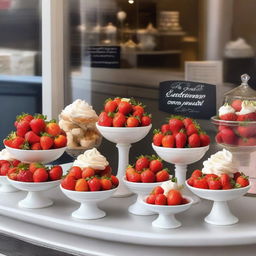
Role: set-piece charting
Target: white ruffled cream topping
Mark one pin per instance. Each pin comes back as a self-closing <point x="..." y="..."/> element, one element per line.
<point x="91" y="158"/>
<point x="79" y="109"/>
<point x="219" y="163"/>
<point x="226" y="109"/>
<point x="247" y="108"/>
<point x="5" y="155"/>
<point x="169" y="185"/>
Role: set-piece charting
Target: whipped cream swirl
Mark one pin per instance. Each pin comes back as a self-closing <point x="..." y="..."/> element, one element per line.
<point x="219" y="163"/>
<point x="226" y="109"/>
<point x="247" y="108"/>
<point x="5" y="155"/>
<point x="79" y="109"/>
<point x="91" y="158"/>
<point x="169" y="185"/>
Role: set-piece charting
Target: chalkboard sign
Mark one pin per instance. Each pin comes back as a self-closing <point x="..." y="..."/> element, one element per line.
<point x="193" y="99"/>
<point x="104" y="56"/>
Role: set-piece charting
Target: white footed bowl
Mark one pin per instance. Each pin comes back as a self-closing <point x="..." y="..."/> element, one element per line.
<point x="34" y="198"/>
<point x="6" y="187"/>
<point x="88" y="199"/>
<point x="220" y="213"/>
<point x="166" y="218"/>
<point x="141" y="189"/>
<point x="124" y="135"/>
<point x="181" y="156"/>
<point x="41" y="156"/>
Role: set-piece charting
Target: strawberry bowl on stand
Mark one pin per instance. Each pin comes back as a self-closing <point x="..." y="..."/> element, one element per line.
<point x="123" y="122"/>
<point x="181" y="142"/>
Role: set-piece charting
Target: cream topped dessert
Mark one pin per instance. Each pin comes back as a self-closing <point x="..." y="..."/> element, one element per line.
<point x="91" y="158"/>
<point x="169" y="185"/>
<point x="219" y="163"/>
<point x="5" y="155"/>
<point x="226" y="109"/>
<point x="247" y="108"/>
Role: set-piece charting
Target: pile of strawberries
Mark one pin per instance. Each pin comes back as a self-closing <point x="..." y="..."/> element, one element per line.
<point x="215" y="182"/>
<point x="35" y="133"/>
<point x="5" y="166"/>
<point x="33" y="172"/>
<point x="174" y="197"/>
<point x="89" y="179"/>
<point x="122" y="112"/>
<point x="180" y="132"/>
<point x="147" y="169"/>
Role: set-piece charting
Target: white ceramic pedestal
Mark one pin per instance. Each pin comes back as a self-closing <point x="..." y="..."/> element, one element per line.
<point x="166" y="218"/>
<point x="123" y="137"/>
<point x="220" y="213"/>
<point x="34" y="199"/>
<point x="182" y="157"/>
<point x="88" y="200"/>
<point x="6" y="187"/>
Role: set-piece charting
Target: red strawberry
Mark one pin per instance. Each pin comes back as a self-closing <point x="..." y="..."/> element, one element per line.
<point x="190" y="181"/>
<point x="187" y="121"/>
<point x="247" y="117"/>
<point x="132" y="175"/>
<point x="5" y="168"/>
<point x="196" y="173"/>
<point x="220" y="127"/>
<point x="55" y="172"/>
<point x="180" y="139"/>
<point x="53" y="128"/>
<point x="175" y="124"/>
<point x="68" y="182"/>
<point x="236" y="175"/>
<point x="125" y="107"/>
<point x="76" y="172"/>
<point x="174" y="197"/>
<point x="23" y="117"/>
<point x="31" y="137"/>
<point x="157" y="190"/>
<point x="157" y="138"/>
<point x="107" y="171"/>
<point x="114" y="180"/>
<point x="119" y="120"/>
<point x="15" y="163"/>
<point x="34" y="166"/>
<point x="60" y="141"/>
<point x="246" y="131"/>
<point x="22" y="128"/>
<point x="138" y="109"/>
<point x="156" y="165"/>
<point x="242" y="181"/>
<point x="106" y="183"/>
<point x="40" y="175"/>
<point x="204" y="139"/>
<point x="36" y="146"/>
<point x="87" y="172"/>
<point x="146" y="120"/>
<point x="132" y="121"/>
<point x="247" y="141"/>
<point x="200" y="183"/>
<point x="168" y="141"/>
<point x="218" y="138"/>
<point x="192" y="128"/>
<point x="38" y="124"/>
<point x="237" y="105"/>
<point x="46" y="141"/>
<point x="229" y="117"/>
<point x="162" y="175"/>
<point x="105" y="119"/>
<point x="151" y="199"/>
<point x="228" y="136"/>
<point x="214" y="183"/>
<point x="148" y="176"/>
<point x="161" y="199"/>
<point x="94" y="184"/>
<point x="19" y="143"/>
<point x="165" y="128"/>
<point x="117" y="100"/>
<point x="25" y="176"/>
<point x="225" y="180"/>
<point x="194" y="140"/>
<point x="110" y="105"/>
<point x="142" y="163"/>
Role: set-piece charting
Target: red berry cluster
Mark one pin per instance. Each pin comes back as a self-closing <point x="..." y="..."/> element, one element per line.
<point x="89" y="179"/>
<point x="174" y="197"/>
<point x="34" y="172"/>
<point x="34" y="133"/>
<point x="180" y="132"/>
<point x="5" y="166"/>
<point x="123" y="113"/>
<point x="147" y="169"/>
<point x="215" y="182"/>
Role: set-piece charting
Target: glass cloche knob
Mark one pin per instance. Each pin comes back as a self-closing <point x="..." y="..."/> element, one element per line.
<point x="245" y="78"/>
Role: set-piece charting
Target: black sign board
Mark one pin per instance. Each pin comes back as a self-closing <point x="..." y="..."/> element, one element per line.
<point x="193" y="99"/>
<point x="104" y="56"/>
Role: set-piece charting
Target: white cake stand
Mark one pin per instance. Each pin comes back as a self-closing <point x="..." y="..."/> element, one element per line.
<point x="6" y="187"/>
<point x="123" y="137"/>
<point x="182" y="157"/>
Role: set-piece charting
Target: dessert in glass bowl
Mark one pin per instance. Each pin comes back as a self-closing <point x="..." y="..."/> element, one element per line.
<point x="78" y="121"/>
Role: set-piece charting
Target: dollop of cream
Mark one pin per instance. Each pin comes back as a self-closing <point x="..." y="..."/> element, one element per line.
<point x="226" y="109"/>
<point x="126" y="99"/>
<point x="79" y="109"/>
<point x="5" y="155"/>
<point x="219" y="163"/>
<point x="247" y="108"/>
<point x="169" y="185"/>
<point x="91" y="158"/>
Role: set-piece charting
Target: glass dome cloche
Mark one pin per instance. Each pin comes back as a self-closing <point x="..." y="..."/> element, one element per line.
<point x="236" y="122"/>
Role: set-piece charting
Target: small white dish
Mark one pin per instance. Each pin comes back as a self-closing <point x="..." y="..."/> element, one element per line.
<point x="89" y="200"/>
<point x="123" y="137"/>
<point x="166" y="218"/>
<point x="41" y="156"/>
<point x="220" y="213"/>
<point x="34" y="199"/>
<point x="6" y="187"/>
<point x="141" y="189"/>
